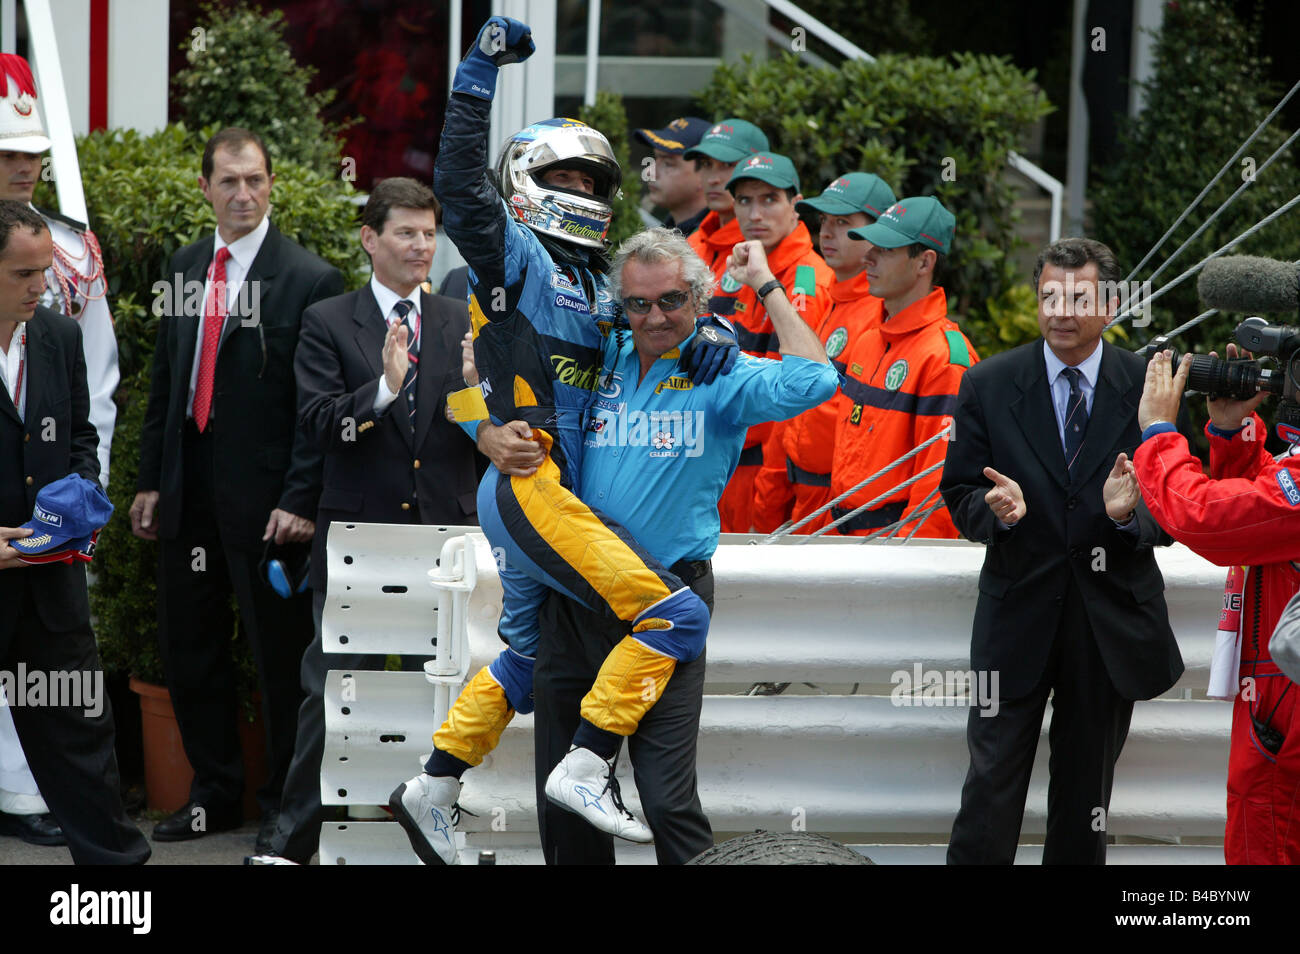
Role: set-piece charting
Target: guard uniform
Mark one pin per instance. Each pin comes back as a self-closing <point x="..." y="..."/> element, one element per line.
<point x="75" y="285"/>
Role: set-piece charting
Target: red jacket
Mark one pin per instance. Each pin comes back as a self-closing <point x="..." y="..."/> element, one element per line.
<point x="713" y="242"/>
<point x="1248" y="514"/>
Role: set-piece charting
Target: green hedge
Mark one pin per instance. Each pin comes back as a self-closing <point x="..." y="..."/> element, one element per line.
<point x="927" y="126"/>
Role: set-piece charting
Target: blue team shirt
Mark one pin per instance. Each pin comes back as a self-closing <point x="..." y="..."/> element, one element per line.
<point x="657" y="455"/>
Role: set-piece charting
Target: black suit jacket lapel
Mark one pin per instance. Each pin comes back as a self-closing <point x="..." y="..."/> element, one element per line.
<point x="433" y="351"/>
<point x="41" y="353"/>
<point x="187" y="329"/>
<point x="7" y="405"/>
<point x="1112" y="411"/>
<point x="263" y="269"/>
<point x="1033" y="412"/>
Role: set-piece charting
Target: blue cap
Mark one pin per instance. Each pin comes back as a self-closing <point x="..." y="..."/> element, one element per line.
<point x="66" y="510"/>
<point x="678" y="136"/>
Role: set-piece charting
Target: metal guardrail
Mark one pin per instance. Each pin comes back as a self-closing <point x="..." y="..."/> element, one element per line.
<point x="867" y="762"/>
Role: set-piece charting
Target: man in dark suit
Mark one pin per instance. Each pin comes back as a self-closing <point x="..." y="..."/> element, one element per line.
<point x="374" y="368"/>
<point x="45" y="435"/>
<point x="1071" y="601"/>
<point x="223" y="468"/>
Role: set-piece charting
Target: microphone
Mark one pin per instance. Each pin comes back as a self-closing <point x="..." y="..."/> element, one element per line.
<point x="1248" y="283"/>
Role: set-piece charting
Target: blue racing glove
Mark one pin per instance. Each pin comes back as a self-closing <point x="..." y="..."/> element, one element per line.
<point x="501" y="41"/>
<point x="712" y="352"/>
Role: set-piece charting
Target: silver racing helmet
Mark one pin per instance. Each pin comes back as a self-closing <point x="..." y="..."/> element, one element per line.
<point x="568" y="215"/>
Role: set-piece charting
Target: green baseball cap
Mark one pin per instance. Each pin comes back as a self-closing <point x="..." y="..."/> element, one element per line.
<point x="729" y="140"/>
<point x="770" y="167"/>
<point x="919" y="219"/>
<point x="855" y="192"/>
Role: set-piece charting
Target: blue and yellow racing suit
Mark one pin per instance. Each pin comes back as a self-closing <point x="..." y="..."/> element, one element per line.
<point x="537" y="312"/>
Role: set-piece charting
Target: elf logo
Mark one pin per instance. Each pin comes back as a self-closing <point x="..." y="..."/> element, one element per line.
<point x="1287" y="483"/>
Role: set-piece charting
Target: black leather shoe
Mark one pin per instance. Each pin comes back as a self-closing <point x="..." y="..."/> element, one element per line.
<point x="33" y="829"/>
<point x="266" y="832"/>
<point x="193" y="820"/>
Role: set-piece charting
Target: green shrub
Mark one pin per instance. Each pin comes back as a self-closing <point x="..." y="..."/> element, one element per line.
<point x="607" y="115"/>
<point x="926" y="126"/>
<point x="242" y="73"/>
<point x="1208" y="93"/>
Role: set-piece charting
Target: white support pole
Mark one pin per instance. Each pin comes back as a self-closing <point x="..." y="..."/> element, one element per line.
<point x="58" y="122"/>
<point x="1076" y="174"/>
<point x="8" y="26"/>
<point x="455" y="46"/>
<point x="593" y="51"/>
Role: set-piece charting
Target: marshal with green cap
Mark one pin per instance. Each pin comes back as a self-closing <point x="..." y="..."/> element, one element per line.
<point x="855" y="192"/>
<point x="920" y="219"/>
<point x="770" y="167"/>
<point x="729" y="140"/>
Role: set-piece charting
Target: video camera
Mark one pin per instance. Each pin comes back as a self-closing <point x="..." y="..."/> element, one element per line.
<point x="1246" y="283"/>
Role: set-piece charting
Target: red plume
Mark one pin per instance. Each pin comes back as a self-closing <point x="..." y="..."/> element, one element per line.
<point x="15" y="68"/>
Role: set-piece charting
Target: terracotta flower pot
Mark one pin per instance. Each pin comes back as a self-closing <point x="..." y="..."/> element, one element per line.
<point x="167" y="771"/>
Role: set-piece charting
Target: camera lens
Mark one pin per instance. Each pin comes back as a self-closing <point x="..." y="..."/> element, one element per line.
<point x="1230" y="379"/>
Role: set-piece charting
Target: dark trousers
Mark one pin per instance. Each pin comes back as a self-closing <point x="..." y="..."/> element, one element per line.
<point x="70" y="752"/>
<point x="1089" y="725"/>
<point x="574" y="643"/>
<point x="198" y="573"/>
<point x="297" y="835"/>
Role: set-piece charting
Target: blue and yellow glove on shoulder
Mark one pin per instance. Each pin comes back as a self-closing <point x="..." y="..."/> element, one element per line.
<point x="712" y="351"/>
<point x="502" y="40"/>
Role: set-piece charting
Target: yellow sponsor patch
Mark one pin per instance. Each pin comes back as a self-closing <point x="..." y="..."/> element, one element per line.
<point x="673" y="384"/>
<point x="467" y="405"/>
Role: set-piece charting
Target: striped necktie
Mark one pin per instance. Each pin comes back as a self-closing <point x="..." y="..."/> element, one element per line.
<point x="403" y="309"/>
<point x="1076" y="418"/>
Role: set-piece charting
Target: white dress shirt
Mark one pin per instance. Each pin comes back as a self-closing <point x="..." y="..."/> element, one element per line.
<point x="9" y="361"/>
<point x="1059" y="382"/>
<point x="387" y="300"/>
<point x="242" y="252"/>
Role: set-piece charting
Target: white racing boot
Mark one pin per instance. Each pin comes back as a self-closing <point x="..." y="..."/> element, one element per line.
<point x="426" y="807"/>
<point x="584" y="784"/>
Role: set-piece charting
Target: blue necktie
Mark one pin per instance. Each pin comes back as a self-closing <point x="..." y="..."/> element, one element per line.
<point x="403" y="310"/>
<point x="1076" y="418"/>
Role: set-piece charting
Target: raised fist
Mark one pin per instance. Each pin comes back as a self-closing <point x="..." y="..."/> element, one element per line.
<point x="504" y="40"/>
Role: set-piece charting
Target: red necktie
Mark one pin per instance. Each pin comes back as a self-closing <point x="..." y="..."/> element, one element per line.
<point x="214" y="318"/>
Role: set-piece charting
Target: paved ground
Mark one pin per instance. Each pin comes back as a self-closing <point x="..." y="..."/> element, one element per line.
<point x="223" y="848"/>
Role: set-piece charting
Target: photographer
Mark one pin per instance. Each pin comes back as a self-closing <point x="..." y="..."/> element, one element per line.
<point x="1246" y="512"/>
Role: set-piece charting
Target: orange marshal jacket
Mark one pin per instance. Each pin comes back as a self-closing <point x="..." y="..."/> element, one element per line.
<point x="807" y="280"/>
<point x="714" y="242"/>
<point x="900" y="388"/>
<point x="798" y="480"/>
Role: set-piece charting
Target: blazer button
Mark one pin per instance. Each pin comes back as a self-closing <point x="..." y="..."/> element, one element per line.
<point x="26" y="438"/>
<point x="1072" y="503"/>
<point x="1076" y="553"/>
<point x="405" y="506"/>
<point x="415" y="464"/>
<point x="30" y="481"/>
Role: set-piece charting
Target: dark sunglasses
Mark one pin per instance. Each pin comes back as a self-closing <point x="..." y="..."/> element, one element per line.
<point x="670" y="301"/>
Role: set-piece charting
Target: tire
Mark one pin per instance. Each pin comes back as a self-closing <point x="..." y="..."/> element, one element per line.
<point x="780" y="848"/>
